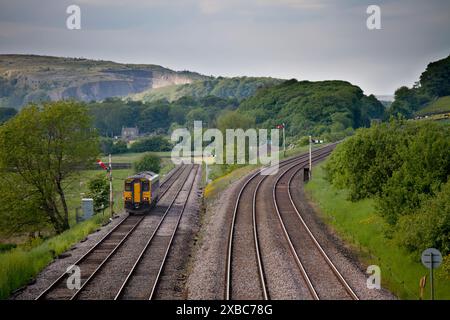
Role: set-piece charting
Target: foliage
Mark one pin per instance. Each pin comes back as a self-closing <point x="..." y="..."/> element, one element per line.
<point x="445" y="268"/>
<point x="20" y="206"/>
<point x="436" y="78"/>
<point x="408" y="101"/>
<point x="43" y="146"/>
<point x="113" y="114"/>
<point x="358" y="223"/>
<point x="153" y="143"/>
<point x="428" y="226"/>
<point x="20" y="265"/>
<point x="148" y="162"/>
<point x="236" y="88"/>
<point x="109" y="146"/>
<point x="157" y="116"/>
<point x="434" y="83"/>
<point x="317" y="108"/>
<point x="404" y="166"/>
<point x="440" y="105"/>
<point x="425" y="165"/>
<point x="6" y="114"/>
<point x="7" y="246"/>
<point x="234" y="120"/>
<point x="99" y="191"/>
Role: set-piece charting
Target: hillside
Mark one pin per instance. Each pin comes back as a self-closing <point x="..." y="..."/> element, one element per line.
<point x="434" y="83"/>
<point x="26" y="78"/>
<point x="441" y="105"/>
<point x="238" y="88"/>
<point x="318" y="108"/>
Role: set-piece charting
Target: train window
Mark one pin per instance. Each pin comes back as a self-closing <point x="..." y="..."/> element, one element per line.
<point x="127" y="186"/>
<point x="145" y="186"/>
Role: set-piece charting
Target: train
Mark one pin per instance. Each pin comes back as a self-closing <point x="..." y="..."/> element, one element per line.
<point x="141" y="192"/>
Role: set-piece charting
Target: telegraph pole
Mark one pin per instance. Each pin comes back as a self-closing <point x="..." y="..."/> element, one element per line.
<point x="310" y="158"/>
<point x="111" y="196"/>
<point x="284" y="140"/>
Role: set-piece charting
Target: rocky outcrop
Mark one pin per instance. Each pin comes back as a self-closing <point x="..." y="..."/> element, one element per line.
<point x="30" y="78"/>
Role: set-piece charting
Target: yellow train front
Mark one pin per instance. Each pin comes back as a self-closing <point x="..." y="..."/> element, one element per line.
<point x="141" y="192"/>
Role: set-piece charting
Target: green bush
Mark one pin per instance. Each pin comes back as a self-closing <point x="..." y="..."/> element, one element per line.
<point x="108" y="146"/>
<point x="119" y="147"/>
<point x="154" y="144"/>
<point x="429" y="226"/>
<point x="99" y="191"/>
<point x="6" y="246"/>
<point x="6" y="114"/>
<point x="149" y="162"/>
<point x="404" y="166"/>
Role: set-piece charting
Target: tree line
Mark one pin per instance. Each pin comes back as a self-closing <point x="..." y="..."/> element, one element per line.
<point x="405" y="167"/>
<point x="434" y="83"/>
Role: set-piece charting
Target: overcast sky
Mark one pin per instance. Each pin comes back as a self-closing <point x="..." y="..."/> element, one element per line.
<point x="303" y="39"/>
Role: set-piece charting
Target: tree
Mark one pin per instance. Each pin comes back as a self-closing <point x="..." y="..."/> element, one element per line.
<point x="43" y="146"/>
<point x="119" y="147"/>
<point x="148" y="162"/>
<point x="154" y="144"/>
<point x="155" y="118"/>
<point x="429" y="226"/>
<point x="6" y="114"/>
<point x="234" y="120"/>
<point x="106" y="145"/>
<point x="436" y="78"/>
<point x="99" y="191"/>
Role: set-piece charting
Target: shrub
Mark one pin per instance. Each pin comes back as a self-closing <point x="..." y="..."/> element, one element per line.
<point x="149" y="162"/>
<point x="429" y="226"/>
<point x="108" y="146"/>
<point x="154" y="144"/>
<point x="99" y="191"/>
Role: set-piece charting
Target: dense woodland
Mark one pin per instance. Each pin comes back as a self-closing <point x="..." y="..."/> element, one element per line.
<point x="329" y="109"/>
<point x="433" y="84"/>
<point x="227" y="88"/>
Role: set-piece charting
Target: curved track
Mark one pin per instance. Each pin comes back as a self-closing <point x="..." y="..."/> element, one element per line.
<point x="244" y="258"/>
<point x="316" y="268"/>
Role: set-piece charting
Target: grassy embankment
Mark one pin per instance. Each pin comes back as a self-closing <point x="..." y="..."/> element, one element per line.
<point x="441" y="105"/>
<point x="359" y="225"/>
<point x="19" y="265"/>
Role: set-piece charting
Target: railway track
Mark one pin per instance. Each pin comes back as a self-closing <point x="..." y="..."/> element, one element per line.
<point x="170" y="179"/>
<point x="244" y="258"/>
<point x="311" y="258"/>
<point x="144" y="277"/>
<point x="93" y="261"/>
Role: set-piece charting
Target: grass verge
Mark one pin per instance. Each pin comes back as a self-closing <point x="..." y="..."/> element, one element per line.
<point x="359" y="225"/>
<point x="19" y="266"/>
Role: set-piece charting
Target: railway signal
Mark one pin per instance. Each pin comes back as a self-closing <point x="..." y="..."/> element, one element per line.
<point x="310" y="158"/>
<point x="109" y="170"/>
<point x="101" y="164"/>
<point x="111" y="195"/>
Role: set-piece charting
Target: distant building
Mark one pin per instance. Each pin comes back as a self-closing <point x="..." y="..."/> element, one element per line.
<point x="129" y="134"/>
